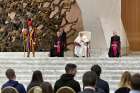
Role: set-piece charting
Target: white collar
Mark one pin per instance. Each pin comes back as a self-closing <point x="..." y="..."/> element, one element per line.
<point x="134" y="91"/>
<point x="89" y="87"/>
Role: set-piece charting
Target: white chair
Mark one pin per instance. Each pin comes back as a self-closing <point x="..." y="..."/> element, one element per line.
<point x="86" y="33"/>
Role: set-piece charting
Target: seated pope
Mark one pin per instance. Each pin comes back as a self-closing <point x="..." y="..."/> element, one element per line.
<point x="81" y="46"/>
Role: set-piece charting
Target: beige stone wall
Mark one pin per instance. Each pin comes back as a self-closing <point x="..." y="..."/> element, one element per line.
<point x="102" y="17"/>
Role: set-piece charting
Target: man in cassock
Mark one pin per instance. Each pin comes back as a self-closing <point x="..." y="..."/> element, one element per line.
<point x="115" y="46"/>
<point x="81" y="46"/>
<point x="58" y="46"/>
<point x="64" y="39"/>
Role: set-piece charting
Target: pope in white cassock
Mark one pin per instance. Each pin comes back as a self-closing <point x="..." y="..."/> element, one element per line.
<point x="81" y="46"/>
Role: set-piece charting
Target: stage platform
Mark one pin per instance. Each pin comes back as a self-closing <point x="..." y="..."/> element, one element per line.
<point x="52" y="68"/>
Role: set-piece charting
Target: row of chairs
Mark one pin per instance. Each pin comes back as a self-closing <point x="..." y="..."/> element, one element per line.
<point x="37" y="89"/>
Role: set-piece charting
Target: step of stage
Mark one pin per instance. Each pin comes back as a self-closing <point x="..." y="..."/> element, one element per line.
<point x="52" y="68"/>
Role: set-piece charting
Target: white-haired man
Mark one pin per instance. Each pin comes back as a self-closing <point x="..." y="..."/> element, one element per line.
<point x="81" y="46"/>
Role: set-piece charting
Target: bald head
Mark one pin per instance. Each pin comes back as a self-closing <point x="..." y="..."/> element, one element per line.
<point x="114" y="33"/>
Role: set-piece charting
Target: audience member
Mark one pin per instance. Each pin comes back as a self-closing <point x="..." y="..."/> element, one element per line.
<point x="46" y="87"/>
<point x="89" y="82"/>
<point x="102" y="84"/>
<point x="125" y="83"/>
<point x="92" y="83"/>
<point x="10" y="74"/>
<point x="9" y="90"/>
<point x="37" y="79"/>
<point x="135" y="83"/>
<point x="67" y="79"/>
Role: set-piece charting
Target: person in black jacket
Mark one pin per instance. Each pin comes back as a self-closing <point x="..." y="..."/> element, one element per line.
<point x="37" y="79"/>
<point x="102" y="84"/>
<point x="10" y="73"/>
<point x="67" y="79"/>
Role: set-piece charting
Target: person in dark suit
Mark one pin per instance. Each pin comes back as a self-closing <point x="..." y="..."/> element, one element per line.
<point x="115" y="46"/>
<point x="89" y="82"/>
<point x="100" y="83"/>
<point x="10" y="73"/>
<point x="67" y="79"/>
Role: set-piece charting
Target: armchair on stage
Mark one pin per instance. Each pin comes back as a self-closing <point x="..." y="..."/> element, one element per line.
<point x="82" y="44"/>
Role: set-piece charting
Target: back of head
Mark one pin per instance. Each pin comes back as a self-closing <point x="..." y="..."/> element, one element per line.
<point x="65" y="89"/>
<point x="46" y="87"/>
<point x="135" y="82"/>
<point x="125" y="79"/>
<point x="89" y="79"/>
<point x="97" y="69"/>
<point x="35" y="89"/>
<point x="70" y="68"/>
<point x="37" y="76"/>
<point x="10" y="74"/>
<point x="9" y="90"/>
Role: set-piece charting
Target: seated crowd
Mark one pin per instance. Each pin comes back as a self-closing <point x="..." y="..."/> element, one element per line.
<point x="92" y="82"/>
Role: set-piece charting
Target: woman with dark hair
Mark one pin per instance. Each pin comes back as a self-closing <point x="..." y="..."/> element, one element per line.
<point x="46" y="87"/>
<point x="37" y="79"/>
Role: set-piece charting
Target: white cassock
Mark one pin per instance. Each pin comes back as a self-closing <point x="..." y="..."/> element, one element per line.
<point x="81" y="49"/>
